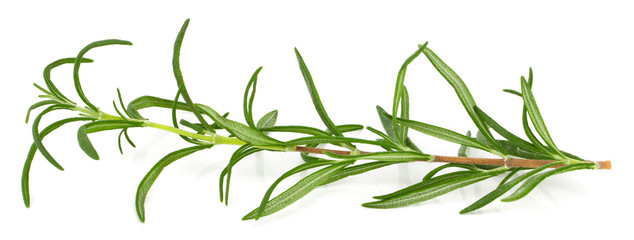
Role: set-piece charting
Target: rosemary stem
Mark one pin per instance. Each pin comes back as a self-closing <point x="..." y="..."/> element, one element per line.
<point x="509" y="162"/>
<point x="219" y="139"/>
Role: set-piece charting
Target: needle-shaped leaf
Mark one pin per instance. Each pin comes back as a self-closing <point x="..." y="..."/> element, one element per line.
<point x="437" y="188"/>
<point x="37" y="139"/>
<point x="153" y="174"/>
<point x="29" y="158"/>
<point x="268" y="120"/>
<point x="178" y="75"/>
<point x="125" y="110"/>
<point x="394" y="156"/>
<point x="314" y="95"/>
<point x="249" y="95"/>
<point x="295" y="170"/>
<point x="514" y="92"/>
<point x="532" y="182"/>
<point x="386" y="138"/>
<point x="357" y="169"/>
<point x="124" y="132"/>
<point x="241" y="131"/>
<point x="445" y="134"/>
<point x="433" y="172"/>
<point x="503" y="132"/>
<point x="512" y="149"/>
<point x="194" y="126"/>
<point x="242" y="152"/>
<point x="98" y="126"/>
<point x="425" y="184"/>
<point x="400" y="89"/>
<point x="37" y="105"/>
<point x="119" y="141"/>
<point x="174" y="118"/>
<point x="463" y="93"/>
<point x="504" y="188"/>
<point x="404" y="113"/>
<point x="331" y="140"/>
<point x="462" y="151"/>
<point x="536" y="117"/>
<point x="47" y="75"/>
<point x="512" y="172"/>
<point x="386" y="122"/>
<point x="150" y="101"/>
<point x="525" y="124"/>
<point x="78" y="61"/>
<point x="297" y="191"/>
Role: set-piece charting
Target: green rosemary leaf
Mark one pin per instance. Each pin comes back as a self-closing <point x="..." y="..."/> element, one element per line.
<point x="330" y="140"/>
<point x="532" y="182"/>
<point x="463" y="94"/>
<point x="26" y="196"/>
<point x="47" y="75"/>
<point x="150" y="177"/>
<point x="116" y="109"/>
<point x="444" y="134"/>
<point x="268" y="120"/>
<point x="242" y="152"/>
<point x="85" y="144"/>
<point x="47" y="93"/>
<point x="37" y="138"/>
<point x="404" y="113"/>
<point x="123" y="105"/>
<point x="508" y="176"/>
<point x="175" y="122"/>
<point x="297" y="129"/>
<point x="349" y="127"/>
<point x="400" y="89"/>
<point x="295" y="170"/>
<point x="424" y="185"/>
<point x="433" y="172"/>
<point x="314" y="95"/>
<point x="394" y="156"/>
<point x="297" y="191"/>
<point x="37" y="105"/>
<point x="386" y="121"/>
<point x="241" y="131"/>
<point x="511" y="91"/>
<point x="503" y="132"/>
<point x="178" y="75"/>
<point x="462" y="151"/>
<point x="433" y="190"/>
<point x="98" y="126"/>
<point x="119" y="141"/>
<point x="125" y="134"/>
<point x="357" y="169"/>
<point x="196" y="127"/>
<point x="104" y="125"/>
<point x="78" y="61"/>
<point x="150" y="101"/>
<point x="385" y="137"/>
<point x="248" y="98"/>
<point x="536" y="117"/>
<point x="504" y="188"/>
<point x="525" y="125"/>
<point x="512" y="149"/>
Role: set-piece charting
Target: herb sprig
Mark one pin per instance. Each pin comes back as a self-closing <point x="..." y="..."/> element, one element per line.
<point x="525" y="163"/>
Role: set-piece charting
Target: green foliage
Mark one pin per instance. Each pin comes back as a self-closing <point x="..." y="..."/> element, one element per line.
<point x="314" y="144"/>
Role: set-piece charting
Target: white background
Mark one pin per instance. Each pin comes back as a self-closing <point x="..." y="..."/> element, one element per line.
<point x="581" y="53"/>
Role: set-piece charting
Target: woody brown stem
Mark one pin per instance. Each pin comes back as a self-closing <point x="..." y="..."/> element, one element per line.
<point x="510" y="162"/>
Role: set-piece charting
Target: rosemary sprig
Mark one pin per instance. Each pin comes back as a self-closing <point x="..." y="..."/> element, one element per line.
<point x="529" y="161"/>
